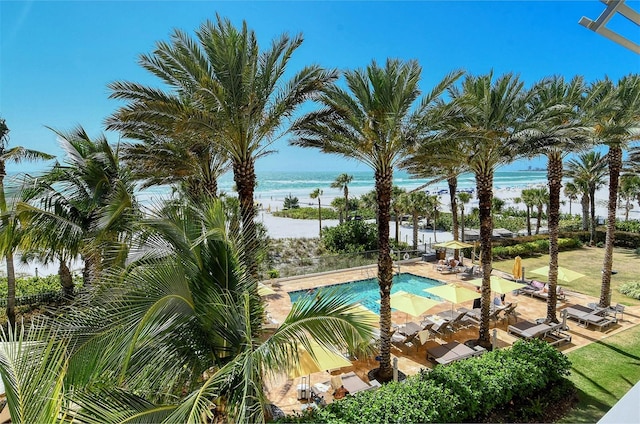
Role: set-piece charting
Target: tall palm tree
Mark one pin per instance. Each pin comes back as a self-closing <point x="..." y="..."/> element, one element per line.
<point x="629" y="191"/>
<point x="396" y="207"/>
<point x="464" y="199"/>
<point x="557" y="126"/>
<point x="415" y="203"/>
<point x="615" y="113"/>
<point x="527" y="196"/>
<point x="315" y="194"/>
<point x="370" y="121"/>
<point x="232" y="83"/>
<point x="491" y="113"/>
<point x="342" y="182"/>
<point x="85" y="206"/>
<point x="589" y="170"/>
<point x="15" y="154"/>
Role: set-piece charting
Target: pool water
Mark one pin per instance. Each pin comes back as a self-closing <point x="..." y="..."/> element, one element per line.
<point x="368" y="293"/>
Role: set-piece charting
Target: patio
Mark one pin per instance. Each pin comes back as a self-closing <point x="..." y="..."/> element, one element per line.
<point x="283" y="392"/>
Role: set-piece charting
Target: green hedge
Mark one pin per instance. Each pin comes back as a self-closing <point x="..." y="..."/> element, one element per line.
<point x="533" y="247"/>
<point x="631" y="289"/>
<point x="622" y="238"/>
<point x="464" y="391"/>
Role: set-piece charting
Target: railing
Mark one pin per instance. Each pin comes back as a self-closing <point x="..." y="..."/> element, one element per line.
<point x="34" y="299"/>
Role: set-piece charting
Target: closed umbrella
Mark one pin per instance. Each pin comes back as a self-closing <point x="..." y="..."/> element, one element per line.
<point x="564" y="274"/>
<point x="517" y="268"/>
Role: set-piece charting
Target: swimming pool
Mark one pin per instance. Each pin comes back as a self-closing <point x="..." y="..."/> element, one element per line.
<point x="368" y="293"/>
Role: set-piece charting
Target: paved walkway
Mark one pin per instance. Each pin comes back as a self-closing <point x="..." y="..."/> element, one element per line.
<point x="283" y="392"/>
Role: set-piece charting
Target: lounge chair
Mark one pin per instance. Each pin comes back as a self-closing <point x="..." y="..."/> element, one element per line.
<point x="451" y="352"/>
<point x="470" y="272"/>
<point x="531" y="330"/>
<point x="510" y="311"/>
<point x="590" y="316"/>
<point x="539" y="289"/>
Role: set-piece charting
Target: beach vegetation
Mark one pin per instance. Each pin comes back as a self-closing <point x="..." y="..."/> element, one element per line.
<point x="481" y="389"/>
<point x="628" y="226"/>
<point x="290" y="202"/>
<point x="373" y="120"/>
<point x="416" y="204"/>
<point x="350" y="237"/>
<point x="342" y="182"/>
<point x="629" y="192"/>
<point x="306" y="213"/>
<point x="631" y="289"/>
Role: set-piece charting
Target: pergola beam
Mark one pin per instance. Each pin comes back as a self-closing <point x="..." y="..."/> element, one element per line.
<point x="599" y="25"/>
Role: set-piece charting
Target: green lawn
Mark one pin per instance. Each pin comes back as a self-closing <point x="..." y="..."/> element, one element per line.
<point x="588" y="261"/>
<point x="603" y="372"/>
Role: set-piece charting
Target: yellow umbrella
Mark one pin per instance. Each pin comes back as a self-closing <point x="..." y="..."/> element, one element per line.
<point x="411" y="304"/>
<point x="517" y="268"/>
<point x="453" y="293"/>
<point x="564" y="274"/>
<point x="264" y="290"/>
<point x="499" y="284"/>
<point x="369" y="316"/>
<point x="316" y="360"/>
<point x="453" y="244"/>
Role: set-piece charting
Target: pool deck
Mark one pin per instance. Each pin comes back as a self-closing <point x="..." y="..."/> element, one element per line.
<point x="283" y="392"/>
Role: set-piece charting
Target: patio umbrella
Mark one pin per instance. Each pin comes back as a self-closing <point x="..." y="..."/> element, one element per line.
<point x="319" y="359"/>
<point x="453" y="244"/>
<point x="499" y="284"/>
<point x="411" y="304"/>
<point x="517" y="268"/>
<point x="453" y="293"/>
<point x="564" y="274"/>
<point x="265" y="290"/>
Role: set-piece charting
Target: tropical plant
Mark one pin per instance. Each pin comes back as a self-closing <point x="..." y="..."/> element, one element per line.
<point x="528" y="197"/>
<point x="433" y="212"/>
<point x="615" y="113"/>
<point x="10" y="228"/>
<point x="489" y="114"/>
<point x="290" y="202"/>
<point x="588" y="171"/>
<point x="557" y="128"/>
<point x="84" y="207"/>
<point x="571" y="192"/>
<point x="396" y="207"/>
<point x="228" y="80"/>
<point x="315" y="194"/>
<point x="415" y="203"/>
<point x="629" y="192"/>
<point x="370" y="121"/>
<point x="342" y="182"/>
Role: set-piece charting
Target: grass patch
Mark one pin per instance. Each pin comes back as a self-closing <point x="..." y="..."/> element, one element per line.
<point x="588" y="261"/>
<point x="603" y="372"/>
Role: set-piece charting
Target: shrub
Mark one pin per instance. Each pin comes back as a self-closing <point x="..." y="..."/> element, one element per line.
<point x="464" y="391"/>
<point x="351" y="237"/>
<point x="273" y="273"/>
<point x="290" y="202"/>
<point x="628" y="226"/>
<point x="631" y="289"/>
<point x="537" y="245"/>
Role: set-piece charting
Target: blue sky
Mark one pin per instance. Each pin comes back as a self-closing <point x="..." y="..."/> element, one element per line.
<point x="56" y="58"/>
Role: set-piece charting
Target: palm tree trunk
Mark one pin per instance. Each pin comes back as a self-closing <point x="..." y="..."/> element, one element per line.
<point x="453" y="186"/>
<point x="415" y="231"/>
<point x="11" y="289"/>
<point x="245" y="178"/>
<point x="539" y="219"/>
<point x="66" y="280"/>
<point x="319" y="217"/>
<point x="528" y="220"/>
<point x="584" y="202"/>
<point x="397" y="225"/>
<point x="346" y="203"/>
<point x="592" y="203"/>
<point x="554" y="175"/>
<point x="462" y="225"/>
<point x="484" y="182"/>
<point x="385" y="271"/>
<point x="615" y="164"/>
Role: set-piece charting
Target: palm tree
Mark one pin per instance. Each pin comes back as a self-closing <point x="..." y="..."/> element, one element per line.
<point x="396" y="207"/>
<point x="527" y="196"/>
<point x="464" y="199"/>
<point x="490" y="113"/>
<point x="588" y="170"/>
<point x="415" y="203"/>
<point x="370" y="121"/>
<point x="342" y="182"/>
<point x="571" y="192"/>
<point x="179" y="331"/>
<point x="315" y="194"/>
<point x="556" y="126"/>
<point x="629" y="191"/>
<point x="231" y="83"/>
<point x="85" y="206"/>
<point x="433" y="212"/>
<point x="614" y="110"/>
<point x="15" y="154"/>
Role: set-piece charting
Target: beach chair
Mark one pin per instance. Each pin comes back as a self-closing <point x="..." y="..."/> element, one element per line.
<point x="590" y="316"/>
<point x="552" y="333"/>
<point x="510" y="311"/>
<point x="453" y="351"/>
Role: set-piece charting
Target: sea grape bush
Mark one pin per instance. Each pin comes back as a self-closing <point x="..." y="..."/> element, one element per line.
<point x="631" y="289"/>
<point x="532" y="247"/>
<point x="28" y="286"/>
<point x="464" y="391"/>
